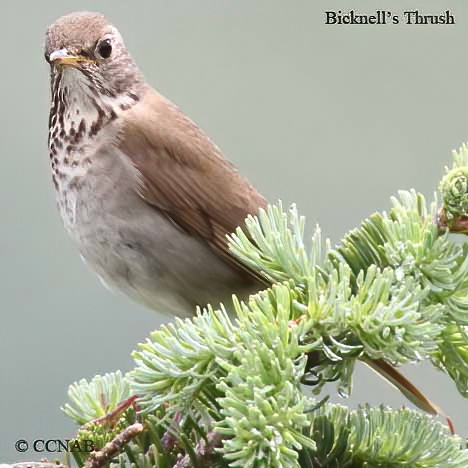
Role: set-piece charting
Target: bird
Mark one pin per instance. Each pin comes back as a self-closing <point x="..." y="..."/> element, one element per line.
<point x="144" y="193"/>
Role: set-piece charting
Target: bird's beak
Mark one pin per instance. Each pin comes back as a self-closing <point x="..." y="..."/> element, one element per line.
<point x="64" y="57"/>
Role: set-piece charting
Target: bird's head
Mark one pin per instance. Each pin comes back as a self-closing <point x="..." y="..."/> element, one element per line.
<point x="85" y="50"/>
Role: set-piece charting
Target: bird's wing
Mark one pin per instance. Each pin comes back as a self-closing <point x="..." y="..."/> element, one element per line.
<point x="183" y="174"/>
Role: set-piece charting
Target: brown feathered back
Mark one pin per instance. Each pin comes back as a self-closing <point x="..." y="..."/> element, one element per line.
<point x="184" y="175"/>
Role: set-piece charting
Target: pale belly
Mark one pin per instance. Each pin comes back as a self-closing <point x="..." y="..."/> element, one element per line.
<point x="136" y="249"/>
<point x="133" y="247"/>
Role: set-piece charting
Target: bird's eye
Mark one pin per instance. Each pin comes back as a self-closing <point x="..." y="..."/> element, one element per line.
<point x="104" y="48"/>
<point x="47" y="57"/>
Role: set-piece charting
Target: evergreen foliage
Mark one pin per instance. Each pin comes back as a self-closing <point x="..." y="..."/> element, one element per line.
<point x="220" y="390"/>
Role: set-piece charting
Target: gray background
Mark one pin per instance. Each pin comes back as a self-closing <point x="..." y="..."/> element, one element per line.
<point x="335" y="118"/>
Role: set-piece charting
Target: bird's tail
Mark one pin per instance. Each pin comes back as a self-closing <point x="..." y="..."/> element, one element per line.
<point x="397" y="379"/>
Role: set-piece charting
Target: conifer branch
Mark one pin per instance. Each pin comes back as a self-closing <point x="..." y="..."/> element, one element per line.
<point x="220" y="390"/>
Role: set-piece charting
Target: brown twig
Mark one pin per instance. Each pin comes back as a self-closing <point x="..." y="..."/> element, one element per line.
<point x="113" y="415"/>
<point x="111" y="449"/>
